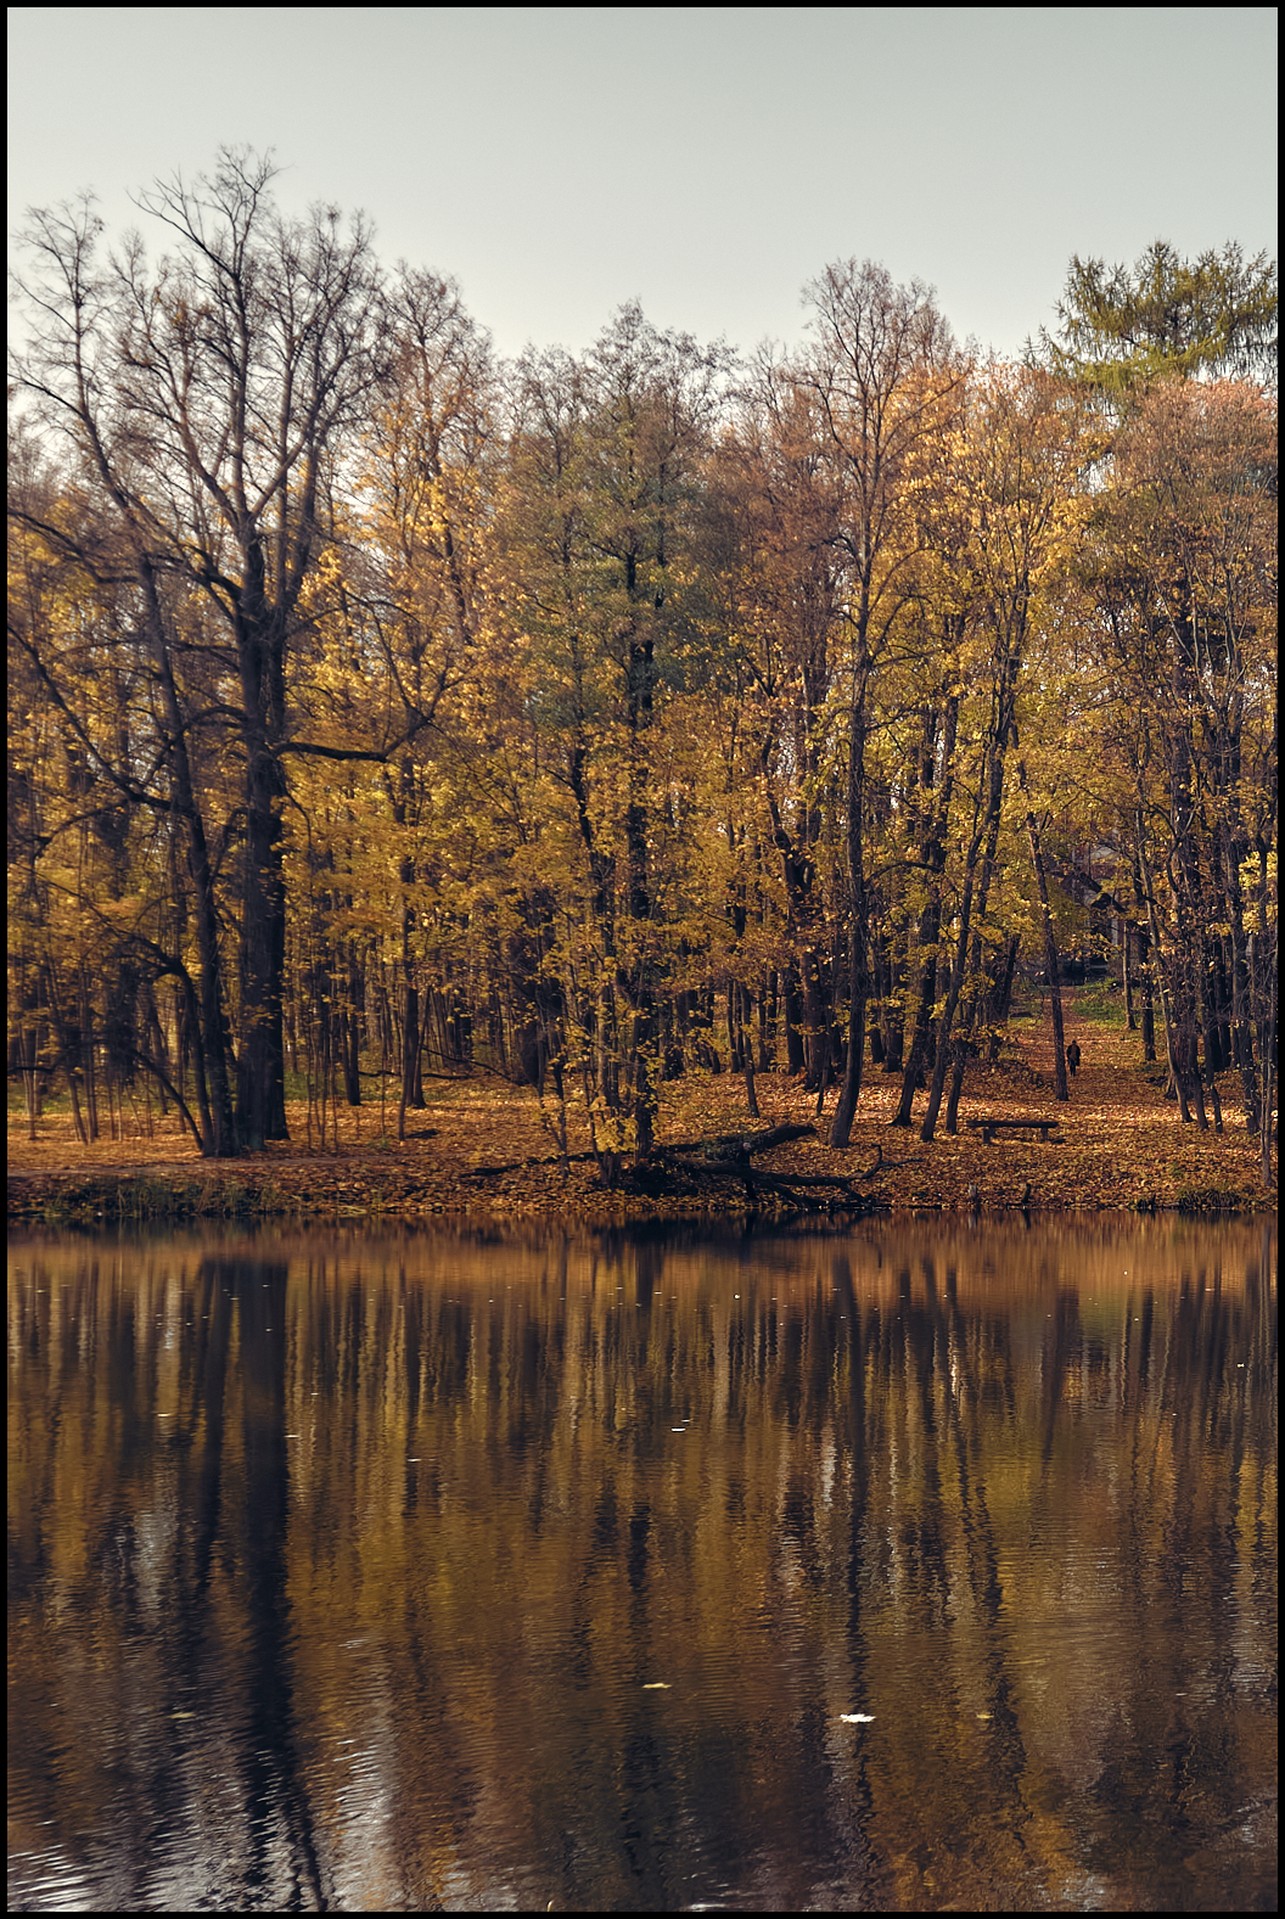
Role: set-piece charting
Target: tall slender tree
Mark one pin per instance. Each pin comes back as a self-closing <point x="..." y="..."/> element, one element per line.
<point x="883" y="372"/>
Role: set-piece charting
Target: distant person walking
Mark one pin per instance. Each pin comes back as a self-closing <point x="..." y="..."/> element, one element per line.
<point x="1073" y="1057"/>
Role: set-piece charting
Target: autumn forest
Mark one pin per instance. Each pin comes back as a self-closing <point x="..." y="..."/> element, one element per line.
<point x="380" y="708"/>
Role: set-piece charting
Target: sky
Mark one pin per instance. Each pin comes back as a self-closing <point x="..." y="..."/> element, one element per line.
<point x="706" y="161"/>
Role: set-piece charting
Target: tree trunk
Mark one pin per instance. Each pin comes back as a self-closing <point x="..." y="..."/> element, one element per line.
<point x="977" y="873"/>
<point x="858" y="972"/>
<point x="260" y="1103"/>
<point x="792" y="1002"/>
<point x="1050" y="942"/>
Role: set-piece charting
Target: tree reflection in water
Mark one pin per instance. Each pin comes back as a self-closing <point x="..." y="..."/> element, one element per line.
<point x="922" y="1567"/>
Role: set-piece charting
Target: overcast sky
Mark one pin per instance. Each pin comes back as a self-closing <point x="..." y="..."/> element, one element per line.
<point x="708" y="161"/>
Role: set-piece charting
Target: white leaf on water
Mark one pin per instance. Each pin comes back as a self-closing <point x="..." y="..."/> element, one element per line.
<point x="655" y="1685"/>
<point x="857" y="1718"/>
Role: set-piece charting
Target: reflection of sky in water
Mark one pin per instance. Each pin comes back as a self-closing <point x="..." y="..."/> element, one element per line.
<point x="921" y="1566"/>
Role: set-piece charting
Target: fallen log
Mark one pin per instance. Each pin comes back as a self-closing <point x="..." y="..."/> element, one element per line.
<point x="695" y="1167"/>
<point x="701" y="1167"/>
<point x="730" y="1147"/>
<point x="734" y="1147"/>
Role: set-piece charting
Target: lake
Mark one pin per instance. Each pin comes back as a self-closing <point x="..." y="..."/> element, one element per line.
<point x="928" y="1567"/>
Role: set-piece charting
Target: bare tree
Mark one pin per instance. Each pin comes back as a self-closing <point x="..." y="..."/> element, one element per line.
<point x="205" y="396"/>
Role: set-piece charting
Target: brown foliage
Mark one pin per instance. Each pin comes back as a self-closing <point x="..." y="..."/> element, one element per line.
<point x="1125" y="1146"/>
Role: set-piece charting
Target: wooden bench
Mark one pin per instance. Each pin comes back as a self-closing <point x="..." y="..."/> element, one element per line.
<point x="989" y="1127"/>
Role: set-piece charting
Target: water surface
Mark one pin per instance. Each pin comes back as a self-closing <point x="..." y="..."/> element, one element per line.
<point x="931" y="1567"/>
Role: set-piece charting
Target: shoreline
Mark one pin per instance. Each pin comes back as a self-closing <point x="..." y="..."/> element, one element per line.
<point x="957" y="1176"/>
<point x="72" y="1202"/>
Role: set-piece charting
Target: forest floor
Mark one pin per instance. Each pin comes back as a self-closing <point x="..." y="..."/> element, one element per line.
<point x="484" y="1149"/>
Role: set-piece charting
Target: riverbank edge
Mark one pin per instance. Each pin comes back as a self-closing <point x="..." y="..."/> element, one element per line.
<point x="231" y="1192"/>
